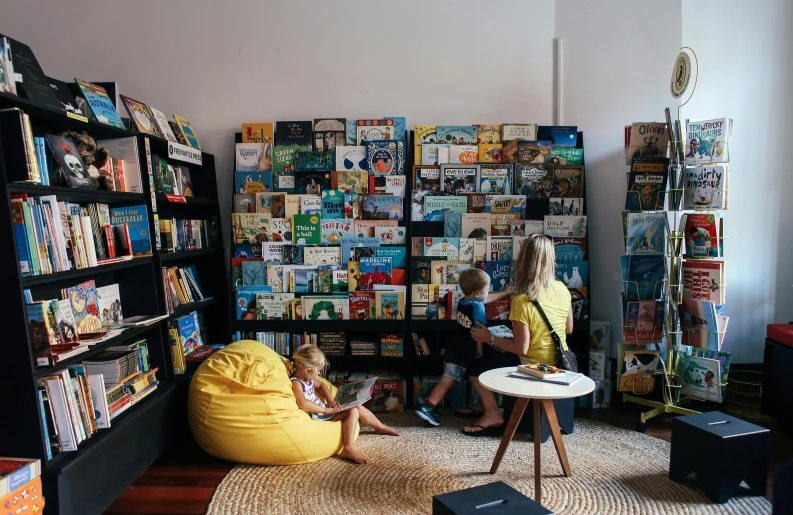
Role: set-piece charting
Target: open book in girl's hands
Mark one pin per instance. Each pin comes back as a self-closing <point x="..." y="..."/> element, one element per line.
<point x="354" y="394"/>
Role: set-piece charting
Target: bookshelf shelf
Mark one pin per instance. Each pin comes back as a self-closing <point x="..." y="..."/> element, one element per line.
<point x="192" y="306"/>
<point x="313" y="326"/>
<point x="441" y="326"/>
<point x="72" y="275"/>
<point x="187" y="254"/>
<point x="125" y="336"/>
<point x="56" y="118"/>
<point x="115" y="198"/>
<point x="426" y="359"/>
<point x="131" y="416"/>
<point x="163" y="202"/>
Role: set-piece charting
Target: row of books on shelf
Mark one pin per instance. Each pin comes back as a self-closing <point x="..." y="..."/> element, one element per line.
<point x="74" y="159"/>
<point x="313" y="182"/>
<point x="699" y="235"/>
<point x="175" y="235"/>
<point x="282" y="343"/>
<point x="508" y="143"/>
<point x="704" y="142"/>
<point x="261" y="142"/>
<point x="187" y="339"/>
<point x="703" y="372"/>
<point x="644" y="277"/>
<point x="651" y="185"/>
<point x="53" y="236"/>
<point x="251" y="230"/>
<point x="286" y="154"/>
<point x="321" y="269"/>
<point x="702" y="322"/>
<point x="171" y="179"/>
<point x="62" y="328"/>
<point x="80" y="400"/>
<point x="181" y="286"/>
<point x="331" y="343"/>
<point x="536" y="180"/>
<point x="261" y="303"/>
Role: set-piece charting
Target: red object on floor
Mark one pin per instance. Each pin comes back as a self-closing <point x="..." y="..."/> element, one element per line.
<point x="781" y="333"/>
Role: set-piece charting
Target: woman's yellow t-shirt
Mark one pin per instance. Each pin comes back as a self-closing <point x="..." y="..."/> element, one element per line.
<point x="555" y="301"/>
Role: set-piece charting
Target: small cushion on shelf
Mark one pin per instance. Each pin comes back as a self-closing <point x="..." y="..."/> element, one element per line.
<point x="781" y="333"/>
<point x="241" y="408"/>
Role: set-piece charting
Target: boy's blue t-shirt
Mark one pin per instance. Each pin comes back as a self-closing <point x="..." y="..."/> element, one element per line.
<point x="469" y="312"/>
<point x="460" y="348"/>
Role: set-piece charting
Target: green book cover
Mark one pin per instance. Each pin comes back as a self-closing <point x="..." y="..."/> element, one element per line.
<point x="567" y="155"/>
<point x="306" y="230"/>
<point x="284" y="166"/>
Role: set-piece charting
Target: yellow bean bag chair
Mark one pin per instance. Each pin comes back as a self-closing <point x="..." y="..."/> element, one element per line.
<point x="241" y="408"/>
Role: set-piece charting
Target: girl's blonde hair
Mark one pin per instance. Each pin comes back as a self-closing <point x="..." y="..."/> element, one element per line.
<point x="310" y="357"/>
<point x="536" y="267"/>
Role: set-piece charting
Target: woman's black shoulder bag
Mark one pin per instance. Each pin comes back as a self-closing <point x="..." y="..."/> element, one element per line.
<point x="567" y="359"/>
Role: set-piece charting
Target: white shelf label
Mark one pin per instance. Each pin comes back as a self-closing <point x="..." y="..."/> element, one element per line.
<point x="184" y="153"/>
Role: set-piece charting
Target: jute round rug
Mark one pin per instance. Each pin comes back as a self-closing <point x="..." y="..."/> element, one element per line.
<point x="615" y="471"/>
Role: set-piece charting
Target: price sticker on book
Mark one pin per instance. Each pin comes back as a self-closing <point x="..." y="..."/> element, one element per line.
<point x="177" y="199"/>
<point x="184" y="153"/>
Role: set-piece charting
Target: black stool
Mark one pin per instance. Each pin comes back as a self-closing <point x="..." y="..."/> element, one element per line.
<point x="722" y="451"/>
<point x="783" y="490"/>
<point x="565" y="414"/>
<point x="495" y="498"/>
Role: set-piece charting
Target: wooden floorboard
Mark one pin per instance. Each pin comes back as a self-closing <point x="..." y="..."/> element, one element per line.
<point x="183" y="480"/>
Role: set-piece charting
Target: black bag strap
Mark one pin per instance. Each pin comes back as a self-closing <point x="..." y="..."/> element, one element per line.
<point x="554" y="337"/>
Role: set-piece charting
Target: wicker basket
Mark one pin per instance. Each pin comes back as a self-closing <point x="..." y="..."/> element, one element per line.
<point x="745" y="394"/>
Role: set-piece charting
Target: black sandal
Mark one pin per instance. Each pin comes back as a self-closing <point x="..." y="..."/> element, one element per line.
<point x="484" y="431"/>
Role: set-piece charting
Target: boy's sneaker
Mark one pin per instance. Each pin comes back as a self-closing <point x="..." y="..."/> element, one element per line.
<point x="428" y="415"/>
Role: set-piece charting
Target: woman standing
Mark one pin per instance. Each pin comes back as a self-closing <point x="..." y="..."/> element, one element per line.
<point x="535" y="280"/>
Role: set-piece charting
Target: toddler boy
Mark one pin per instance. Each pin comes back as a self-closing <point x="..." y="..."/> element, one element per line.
<point x="460" y="346"/>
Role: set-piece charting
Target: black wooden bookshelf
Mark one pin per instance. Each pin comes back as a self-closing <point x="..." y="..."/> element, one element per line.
<point x="208" y="260"/>
<point x="90" y="479"/>
<point x="411" y="365"/>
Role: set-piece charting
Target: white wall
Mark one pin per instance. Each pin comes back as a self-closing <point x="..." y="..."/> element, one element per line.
<point x="745" y="73"/>
<point x="220" y="64"/>
<point x="617" y="58"/>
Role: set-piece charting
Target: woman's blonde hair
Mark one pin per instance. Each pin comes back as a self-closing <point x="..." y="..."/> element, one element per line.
<point x="536" y="267"/>
<point x="310" y="357"/>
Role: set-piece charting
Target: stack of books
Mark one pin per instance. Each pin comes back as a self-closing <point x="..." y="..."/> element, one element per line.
<point x="181" y="286"/>
<point x="361" y="347"/>
<point x="80" y="400"/>
<point x="115" y="366"/>
<point x="332" y="344"/>
<point x="178" y="234"/>
<point x="55" y="236"/>
<point x="391" y="345"/>
<point x="420" y="345"/>
<point x="186" y="334"/>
